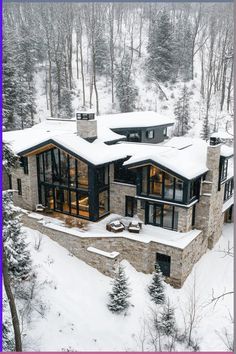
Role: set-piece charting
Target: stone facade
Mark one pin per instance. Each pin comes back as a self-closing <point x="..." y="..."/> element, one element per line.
<point x="118" y="192"/>
<point x="29" y="184"/>
<point x="209" y="216"/>
<point x="184" y="219"/>
<point x="141" y="255"/>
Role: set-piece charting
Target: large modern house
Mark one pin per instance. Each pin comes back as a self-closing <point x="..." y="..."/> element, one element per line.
<point x="125" y="164"/>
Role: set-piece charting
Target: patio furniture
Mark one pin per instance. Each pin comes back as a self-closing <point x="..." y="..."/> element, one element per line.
<point x="115" y="226"/>
<point x="39" y="208"/>
<point x="135" y="227"/>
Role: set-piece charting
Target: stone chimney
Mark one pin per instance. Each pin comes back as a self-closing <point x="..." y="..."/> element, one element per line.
<point x="209" y="209"/>
<point x="86" y="125"/>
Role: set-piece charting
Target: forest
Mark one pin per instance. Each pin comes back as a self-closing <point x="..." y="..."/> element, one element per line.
<point x="176" y="58"/>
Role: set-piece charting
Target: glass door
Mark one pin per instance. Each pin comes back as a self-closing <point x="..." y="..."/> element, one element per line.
<point x="58" y="199"/>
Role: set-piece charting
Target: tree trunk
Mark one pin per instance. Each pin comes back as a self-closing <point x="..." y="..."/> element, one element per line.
<point x="77" y="55"/>
<point x="112" y="50"/>
<point x="14" y="316"/>
<point x="202" y="90"/>
<point x="140" y="35"/>
<point x="82" y="69"/>
<point x="230" y="85"/>
<point x="50" y="85"/>
<point x="223" y="86"/>
<point x="46" y="89"/>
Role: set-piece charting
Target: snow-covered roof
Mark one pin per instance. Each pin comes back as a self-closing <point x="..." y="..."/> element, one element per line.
<point x="222" y="134"/>
<point x="226" y="151"/>
<point x="184" y="156"/>
<point x="133" y="120"/>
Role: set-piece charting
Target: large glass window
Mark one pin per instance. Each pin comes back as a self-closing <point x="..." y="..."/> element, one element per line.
<point x="169" y="186"/>
<point x="82" y="174"/>
<point x="64" y="168"/>
<point x="167" y="216"/>
<point x="48" y="166"/>
<point x="72" y="171"/>
<point x="73" y="202"/>
<point x="144" y="180"/>
<point x="163" y="215"/>
<point x="156" y="178"/>
<point x="83" y="204"/>
<point x="161" y="185"/>
<point x="103" y="203"/>
<point x="179" y="190"/>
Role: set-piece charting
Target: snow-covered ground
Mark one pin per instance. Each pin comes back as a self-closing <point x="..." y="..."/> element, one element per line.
<point x="75" y="296"/>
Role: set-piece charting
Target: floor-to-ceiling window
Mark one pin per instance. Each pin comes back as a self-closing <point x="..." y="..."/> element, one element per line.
<point x="63" y="182"/>
<point x="162" y="215"/>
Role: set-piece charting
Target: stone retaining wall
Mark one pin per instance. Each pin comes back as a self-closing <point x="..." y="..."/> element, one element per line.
<point x="142" y="256"/>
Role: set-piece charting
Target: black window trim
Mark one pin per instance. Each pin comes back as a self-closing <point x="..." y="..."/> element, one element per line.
<point x="19" y="186"/>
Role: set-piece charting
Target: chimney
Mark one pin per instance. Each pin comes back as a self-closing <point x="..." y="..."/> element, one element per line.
<point x="86" y="125"/>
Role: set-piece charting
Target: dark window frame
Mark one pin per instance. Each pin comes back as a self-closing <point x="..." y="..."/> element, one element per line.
<point x="19" y="186"/>
<point x="10" y="181"/>
<point x="162" y="196"/>
<point x="148" y="132"/>
<point x="229" y="189"/>
<point x="24" y="163"/>
<point x="164" y="262"/>
<point x="133" y="206"/>
<point x="162" y="207"/>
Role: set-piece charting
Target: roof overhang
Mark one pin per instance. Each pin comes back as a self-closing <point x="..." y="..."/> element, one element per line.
<point x="162" y="167"/>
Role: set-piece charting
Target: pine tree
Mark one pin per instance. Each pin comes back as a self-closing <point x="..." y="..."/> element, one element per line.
<point x="18" y="256"/>
<point x="66" y="104"/>
<point x="7" y="331"/>
<point x="205" y="133"/>
<point x="10" y="160"/>
<point x="156" y="288"/>
<point x="118" y="298"/>
<point x="161" y="49"/>
<point x="167" y="320"/>
<point x="182" y="113"/>
<point x="126" y="90"/>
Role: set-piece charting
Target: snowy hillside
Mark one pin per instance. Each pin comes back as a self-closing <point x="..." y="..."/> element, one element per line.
<point x="119" y="57"/>
<point x="74" y="315"/>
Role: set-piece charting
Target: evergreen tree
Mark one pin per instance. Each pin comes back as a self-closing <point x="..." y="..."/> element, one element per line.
<point x="66" y="103"/>
<point x="167" y="320"/>
<point x="182" y="114"/>
<point x="183" y="48"/>
<point x="7" y="331"/>
<point x="161" y="49"/>
<point x="156" y="288"/>
<point x="126" y="90"/>
<point x="101" y="50"/>
<point x="118" y="298"/>
<point x="18" y="256"/>
<point x="205" y="133"/>
<point x="10" y="160"/>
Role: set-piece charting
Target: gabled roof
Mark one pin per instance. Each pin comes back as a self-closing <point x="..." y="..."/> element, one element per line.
<point x="185" y="157"/>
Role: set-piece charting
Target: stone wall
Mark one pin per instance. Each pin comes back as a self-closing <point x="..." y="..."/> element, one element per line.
<point x="29" y="185"/>
<point x="209" y="209"/>
<point x="184" y="219"/>
<point x="142" y="256"/>
<point x="118" y="192"/>
<point x="87" y="128"/>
